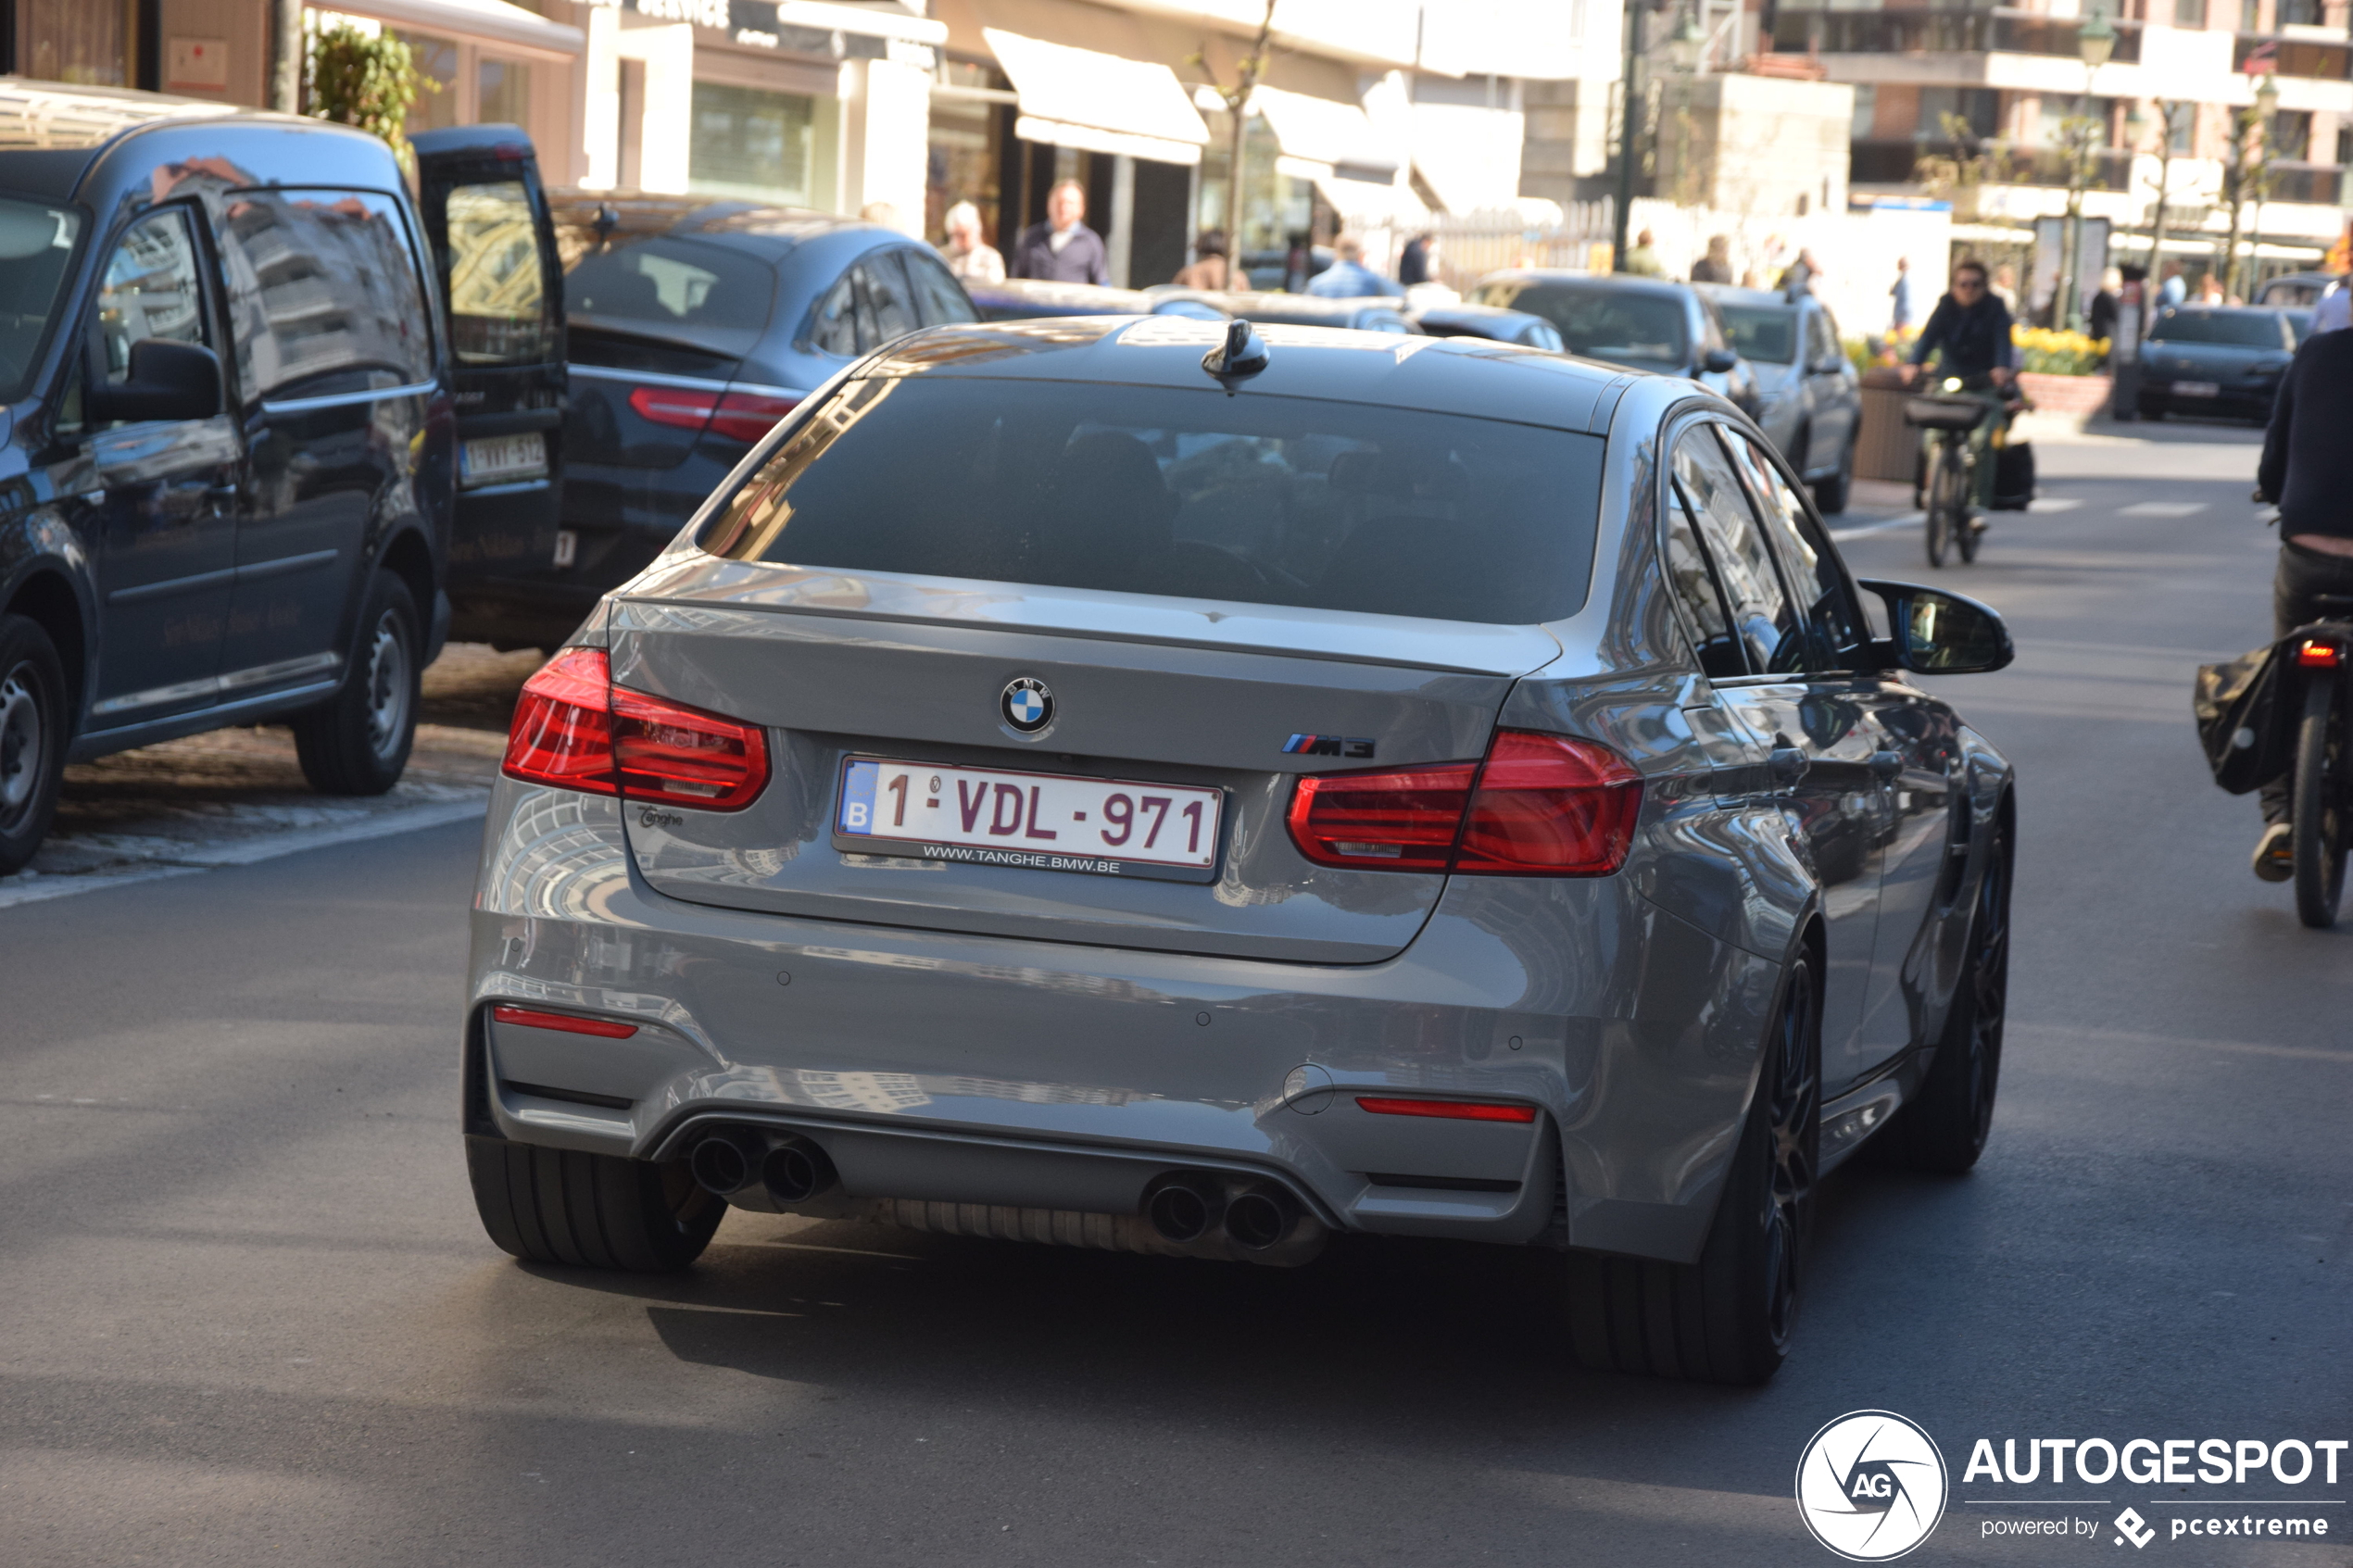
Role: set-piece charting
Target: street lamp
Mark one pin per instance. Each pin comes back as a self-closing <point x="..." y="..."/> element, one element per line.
<point x="1684" y="48"/>
<point x="2095" y="41"/>
<point x="2267" y="105"/>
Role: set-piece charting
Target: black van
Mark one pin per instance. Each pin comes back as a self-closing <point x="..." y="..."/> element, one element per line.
<point x="229" y="434"/>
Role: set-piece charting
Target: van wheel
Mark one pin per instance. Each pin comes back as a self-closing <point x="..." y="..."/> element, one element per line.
<point x="32" y="737"/>
<point x="590" y="1210"/>
<point x="1727" y="1318"/>
<point x="356" y="743"/>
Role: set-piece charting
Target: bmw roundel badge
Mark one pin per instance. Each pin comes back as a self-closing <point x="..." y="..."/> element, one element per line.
<point x="1028" y="706"/>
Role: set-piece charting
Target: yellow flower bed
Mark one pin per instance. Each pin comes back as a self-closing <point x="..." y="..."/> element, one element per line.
<point x="2055" y="352"/>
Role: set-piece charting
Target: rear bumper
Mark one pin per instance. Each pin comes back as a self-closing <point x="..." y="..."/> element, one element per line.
<point x="1042" y="1077"/>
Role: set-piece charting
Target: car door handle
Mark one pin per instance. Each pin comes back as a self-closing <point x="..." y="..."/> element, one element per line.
<point x="1789" y="764"/>
<point x="1887" y="766"/>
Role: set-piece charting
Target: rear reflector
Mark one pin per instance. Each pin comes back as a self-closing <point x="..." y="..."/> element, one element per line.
<point x="571" y="1023"/>
<point x="1540" y="805"/>
<point x="1451" y="1109"/>
<point x="738" y="416"/>
<point x="2318" y="656"/>
<point x="575" y="729"/>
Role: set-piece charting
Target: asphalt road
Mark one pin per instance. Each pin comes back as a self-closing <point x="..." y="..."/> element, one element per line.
<point x="248" y="1315"/>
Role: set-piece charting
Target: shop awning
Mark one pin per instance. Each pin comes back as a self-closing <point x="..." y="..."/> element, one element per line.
<point x="506" y="29"/>
<point x="1364" y="202"/>
<point x="1097" y="102"/>
<point x="1340" y="136"/>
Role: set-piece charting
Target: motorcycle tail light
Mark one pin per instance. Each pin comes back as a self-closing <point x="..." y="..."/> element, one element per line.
<point x="2314" y="654"/>
<point x="575" y="729"/>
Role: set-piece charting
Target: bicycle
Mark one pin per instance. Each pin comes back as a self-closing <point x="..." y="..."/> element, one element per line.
<point x="2320" y="782"/>
<point x="1953" y="414"/>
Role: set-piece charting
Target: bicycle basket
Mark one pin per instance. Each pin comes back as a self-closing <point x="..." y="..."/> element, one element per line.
<point x="1944" y="413"/>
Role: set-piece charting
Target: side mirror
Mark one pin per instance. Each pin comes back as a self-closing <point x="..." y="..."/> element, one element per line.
<point x="1718" y="360"/>
<point x="1941" y="633"/>
<point x="168" y="380"/>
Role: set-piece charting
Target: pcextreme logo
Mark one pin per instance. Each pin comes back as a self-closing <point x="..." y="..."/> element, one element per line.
<point x="1871" y="1485"/>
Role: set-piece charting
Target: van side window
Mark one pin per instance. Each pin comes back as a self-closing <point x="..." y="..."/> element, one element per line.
<point x="499" y="302"/>
<point x="152" y="287"/>
<point x="326" y="293"/>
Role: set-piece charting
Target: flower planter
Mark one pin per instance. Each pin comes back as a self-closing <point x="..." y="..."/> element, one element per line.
<point x="2066" y="395"/>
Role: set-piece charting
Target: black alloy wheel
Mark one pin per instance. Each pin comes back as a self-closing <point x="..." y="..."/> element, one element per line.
<point x="33" y="732"/>
<point x="1729" y="1317"/>
<point x="2317" y="804"/>
<point x="1943" y="1128"/>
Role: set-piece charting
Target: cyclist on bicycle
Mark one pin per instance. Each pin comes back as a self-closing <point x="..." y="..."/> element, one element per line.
<point x="1969" y="329"/>
<point x="2306" y="472"/>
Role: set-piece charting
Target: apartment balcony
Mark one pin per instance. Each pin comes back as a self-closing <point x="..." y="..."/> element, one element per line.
<point x="1894" y="160"/>
<point x="2307" y="58"/>
<point x="1997" y="32"/>
<point x="2319" y="184"/>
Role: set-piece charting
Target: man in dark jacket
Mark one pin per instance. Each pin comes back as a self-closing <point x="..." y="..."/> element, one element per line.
<point x="1969" y="333"/>
<point x="1062" y="249"/>
<point x="2308" y="471"/>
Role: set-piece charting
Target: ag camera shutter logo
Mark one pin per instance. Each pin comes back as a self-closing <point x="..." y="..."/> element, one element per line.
<point x="1871" y="1485"/>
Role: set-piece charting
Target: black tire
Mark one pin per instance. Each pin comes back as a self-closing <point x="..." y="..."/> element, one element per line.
<point x="2316" y="805"/>
<point x="590" y="1210"/>
<point x="1966" y="531"/>
<point x="1942" y="1128"/>
<point x="1727" y="1318"/>
<point x="1832" y="494"/>
<point x="2152" y="412"/>
<point x="356" y="742"/>
<point x="1948" y="504"/>
<point x="34" y="729"/>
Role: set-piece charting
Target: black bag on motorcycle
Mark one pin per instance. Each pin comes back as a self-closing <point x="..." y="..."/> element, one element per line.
<point x="2014" y="476"/>
<point x="2248" y="735"/>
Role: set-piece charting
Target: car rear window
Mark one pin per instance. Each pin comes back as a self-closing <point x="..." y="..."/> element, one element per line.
<point x="1762" y="332"/>
<point x="2240" y="328"/>
<point x="1155" y="490"/>
<point x="672" y="288"/>
<point x="1625" y="328"/>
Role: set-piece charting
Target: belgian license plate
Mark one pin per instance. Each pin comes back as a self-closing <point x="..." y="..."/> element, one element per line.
<point x="1042" y="822"/>
<point x="2197" y="389"/>
<point x="502" y="460"/>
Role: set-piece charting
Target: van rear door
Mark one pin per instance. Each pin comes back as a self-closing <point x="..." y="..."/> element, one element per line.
<point x="485" y="214"/>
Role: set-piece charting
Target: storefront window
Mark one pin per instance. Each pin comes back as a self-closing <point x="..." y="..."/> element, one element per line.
<point x="506" y="92"/>
<point x="966" y="153"/>
<point x="1275" y="205"/>
<point x="751" y="143"/>
<point x="436" y="105"/>
<point x="71" y="41"/>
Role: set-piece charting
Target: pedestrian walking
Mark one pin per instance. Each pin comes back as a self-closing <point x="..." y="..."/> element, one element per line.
<point x="1798" y="281"/>
<point x="2306" y="472"/>
<point x="1347" y="277"/>
<point x="1418" y="262"/>
<point x="1899" y="295"/>
<point x="1062" y="249"/>
<point x="2173" y="288"/>
<point x="2100" y="321"/>
<point x="1715" y="267"/>
<point x="2335" y="311"/>
<point x="1212" y="269"/>
<point x="2210" y="290"/>
<point x="1642" y="260"/>
<point x="970" y="257"/>
<point x="2004" y="287"/>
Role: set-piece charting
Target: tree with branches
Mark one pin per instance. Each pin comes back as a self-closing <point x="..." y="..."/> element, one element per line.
<point x="1248" y="71"/>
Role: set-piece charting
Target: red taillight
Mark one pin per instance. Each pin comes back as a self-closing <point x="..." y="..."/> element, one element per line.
<point x="1451" y="1109"/>
<point x="575" y="729"/>
<point x="571" y="1023"/>
<point x="1539" y="805"/>
<point x="738" y="416"/>
<point x="748" y="415"/>
<point x="2318" y="656"/>
<point x="674" y="405"/>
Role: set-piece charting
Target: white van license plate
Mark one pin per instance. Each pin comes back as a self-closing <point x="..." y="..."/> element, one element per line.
<point x="502" y="460"/>
<point x="1038" y="821"/>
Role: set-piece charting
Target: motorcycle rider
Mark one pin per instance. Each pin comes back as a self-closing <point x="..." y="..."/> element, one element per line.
<point x="2306" y="472"/>
<point x="1969" y="329"/>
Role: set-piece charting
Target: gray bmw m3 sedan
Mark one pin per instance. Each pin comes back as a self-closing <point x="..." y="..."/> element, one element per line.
<point x="1153" y="784"/>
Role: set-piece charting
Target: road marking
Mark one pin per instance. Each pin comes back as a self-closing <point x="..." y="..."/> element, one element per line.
<point x="189" y="860"/>
<point x="1841" y="535"/>
<point x="2162" y="508"/>
<point x="2055" y="504"/>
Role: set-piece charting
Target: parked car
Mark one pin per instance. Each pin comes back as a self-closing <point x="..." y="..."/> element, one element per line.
<point x="2295" y="290"/>
<point x="1642" y="323"/>
<point x="1369" y="315"/>
<point x="1280" y="874"/>
<point x="1487" y="321"/>
<point x="234" y="431"/>
<point x="694" y="326"/>
<point x="1270" y="269"/>
<point x="1809" y="397"/>
<point x="1022" y="299"/>
<point x="2217" y="360"/>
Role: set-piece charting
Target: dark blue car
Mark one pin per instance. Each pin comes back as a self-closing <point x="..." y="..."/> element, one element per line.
<point x="695" y="325"/>
<point x="2221" y="360"/>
